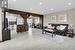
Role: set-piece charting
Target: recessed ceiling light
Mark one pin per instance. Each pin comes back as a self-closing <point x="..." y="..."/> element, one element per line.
<point x="69" y="4"/>
<point x="5" y="2"/>
<point x="14" y="0"/>
<point x="41" y="3"/>
<point x="51" y="9"/>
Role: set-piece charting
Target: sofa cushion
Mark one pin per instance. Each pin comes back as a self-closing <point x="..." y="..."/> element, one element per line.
<point x="61" y="27"/>
<point x="50" y="26"/>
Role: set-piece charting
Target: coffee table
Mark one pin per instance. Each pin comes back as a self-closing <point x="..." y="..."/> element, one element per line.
<point x="52" y="31"/>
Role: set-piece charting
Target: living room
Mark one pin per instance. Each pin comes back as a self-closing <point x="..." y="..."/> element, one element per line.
<point x="37" y="25"/>
<point x="55" y="18"/>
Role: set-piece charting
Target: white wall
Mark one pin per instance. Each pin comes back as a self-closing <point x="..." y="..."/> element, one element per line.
<point x="70" y="18"/>
<point x="20" y="20"/>
<point x="0" y="25"/>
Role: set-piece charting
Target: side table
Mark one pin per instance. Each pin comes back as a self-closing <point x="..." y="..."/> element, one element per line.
<point x="70" y="33"/>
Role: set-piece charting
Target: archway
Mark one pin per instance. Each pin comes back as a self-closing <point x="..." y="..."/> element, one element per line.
<point x="24" y="15"/>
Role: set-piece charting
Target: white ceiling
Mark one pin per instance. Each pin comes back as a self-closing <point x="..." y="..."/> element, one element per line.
<point x="44" y="7"/>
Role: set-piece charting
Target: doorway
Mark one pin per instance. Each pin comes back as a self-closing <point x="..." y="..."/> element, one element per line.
<point x="13" y="21"/>
<point x="33" y="22"/>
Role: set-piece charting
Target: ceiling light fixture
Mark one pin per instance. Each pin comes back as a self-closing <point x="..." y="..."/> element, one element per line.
<point x="41" y="3"/>
<point x="69" y="4"/>
<point x="5" y="2"/>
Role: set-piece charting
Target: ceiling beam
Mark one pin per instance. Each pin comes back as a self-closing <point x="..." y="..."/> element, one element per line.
<point x="20" y="12"/>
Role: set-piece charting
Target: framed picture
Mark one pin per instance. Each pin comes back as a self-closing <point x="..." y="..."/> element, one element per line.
<point x="53" y="18"/>
<point x="62" y="18"/>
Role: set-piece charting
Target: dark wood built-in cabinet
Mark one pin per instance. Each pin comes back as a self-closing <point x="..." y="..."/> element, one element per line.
<point x="20" y="28"/>
<point x="6" y="35"/>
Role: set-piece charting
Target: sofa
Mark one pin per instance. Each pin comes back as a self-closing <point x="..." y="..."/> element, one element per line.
<point x="61" y="29"/>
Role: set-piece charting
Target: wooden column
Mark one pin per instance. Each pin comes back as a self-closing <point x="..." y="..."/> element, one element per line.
<point x="25" y="16"/>
<point x="41" y="18"/>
